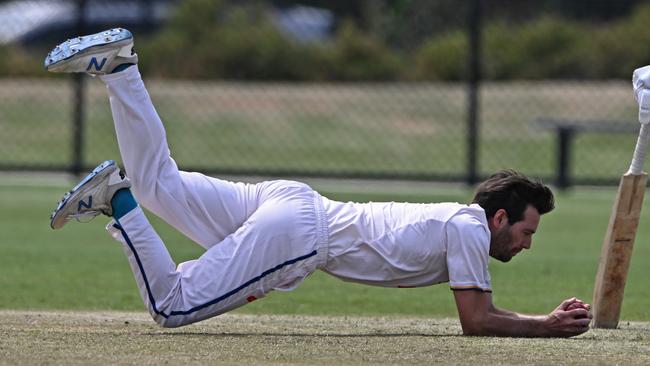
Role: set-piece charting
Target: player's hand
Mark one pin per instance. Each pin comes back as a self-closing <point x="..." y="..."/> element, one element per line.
<point x="575" y="303"/>
<point x="569" y="319"/>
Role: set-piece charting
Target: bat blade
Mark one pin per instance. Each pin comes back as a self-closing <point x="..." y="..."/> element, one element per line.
<point x="617" y="250"/>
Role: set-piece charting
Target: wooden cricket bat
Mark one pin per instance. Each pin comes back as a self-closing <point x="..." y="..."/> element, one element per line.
<point x="617" y="251"/>
<point x="619" y="238"/>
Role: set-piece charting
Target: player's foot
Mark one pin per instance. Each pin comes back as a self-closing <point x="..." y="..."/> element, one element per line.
<point x="92" y="196"/>
<point x="95" y="54"/>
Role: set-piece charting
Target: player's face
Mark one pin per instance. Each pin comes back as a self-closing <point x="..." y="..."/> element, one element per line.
<point x="508" y="240"/>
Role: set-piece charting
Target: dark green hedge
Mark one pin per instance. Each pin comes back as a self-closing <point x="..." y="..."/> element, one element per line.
<point x="209" y="39"/>
<point x="548" y="48"/>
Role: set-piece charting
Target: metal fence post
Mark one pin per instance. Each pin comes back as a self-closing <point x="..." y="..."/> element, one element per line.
<point x="79" y="86"/>
<point x="565" y="136"/>
<point x="474" y="68"/>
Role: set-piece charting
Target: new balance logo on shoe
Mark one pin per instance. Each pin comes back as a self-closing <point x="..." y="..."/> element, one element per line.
<point x="91" y="196"/>
<point x="94" y="54"/>
<point x="84" y="204"/>
<point x="98" y="66"/>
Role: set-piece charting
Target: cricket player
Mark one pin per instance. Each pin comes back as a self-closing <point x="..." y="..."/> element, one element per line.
<point x="271" y="235"/>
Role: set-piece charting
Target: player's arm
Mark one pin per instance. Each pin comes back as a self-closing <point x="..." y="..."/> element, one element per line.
<point x="479" y="317"/>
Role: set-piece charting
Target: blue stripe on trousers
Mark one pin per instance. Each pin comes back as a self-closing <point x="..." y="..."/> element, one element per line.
<point x="211" y="302"/>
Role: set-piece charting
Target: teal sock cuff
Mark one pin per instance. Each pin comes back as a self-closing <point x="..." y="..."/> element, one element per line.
<point x="122" y="203"/>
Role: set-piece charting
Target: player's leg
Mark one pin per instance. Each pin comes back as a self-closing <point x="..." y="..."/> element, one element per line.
<point x="271" y="251"/>
<point x="205" y="209"/>
<point x="281" y="243"/>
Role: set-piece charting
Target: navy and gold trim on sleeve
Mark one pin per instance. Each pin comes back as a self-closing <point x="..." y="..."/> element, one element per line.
<point x="469" y="288"/>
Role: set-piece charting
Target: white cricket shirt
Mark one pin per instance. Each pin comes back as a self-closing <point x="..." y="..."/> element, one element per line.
<point x="408" y="244"/>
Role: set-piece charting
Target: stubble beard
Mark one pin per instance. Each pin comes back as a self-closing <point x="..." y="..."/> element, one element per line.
<point x="500" y="247"/>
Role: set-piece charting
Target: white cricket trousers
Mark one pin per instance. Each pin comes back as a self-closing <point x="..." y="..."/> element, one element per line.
<point x="258" y="237"/>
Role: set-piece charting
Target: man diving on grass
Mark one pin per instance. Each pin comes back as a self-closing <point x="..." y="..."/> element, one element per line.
<point x="271" y="235"/>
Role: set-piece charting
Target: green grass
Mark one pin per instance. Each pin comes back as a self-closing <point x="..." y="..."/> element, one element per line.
<point x="81" y="267"/>
<point x="389" y="128"/>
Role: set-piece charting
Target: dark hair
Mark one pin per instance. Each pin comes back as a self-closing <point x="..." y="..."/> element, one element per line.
<point x="512" y="191"/>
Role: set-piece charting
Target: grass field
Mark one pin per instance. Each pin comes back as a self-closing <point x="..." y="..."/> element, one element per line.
<point x="80" y="267"/>
<point x="389" y="128"/>
<point x="69" y="297"/>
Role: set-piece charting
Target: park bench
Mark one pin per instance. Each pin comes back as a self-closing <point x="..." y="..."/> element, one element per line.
<point x="566" y="129"/>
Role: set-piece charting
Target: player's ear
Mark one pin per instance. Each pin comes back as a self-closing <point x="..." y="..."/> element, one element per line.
<point x="500" y="218"/>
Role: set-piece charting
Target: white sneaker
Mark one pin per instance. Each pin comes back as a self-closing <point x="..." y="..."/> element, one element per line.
<point x="95" y="54"/>
<point x="92" y="196"/>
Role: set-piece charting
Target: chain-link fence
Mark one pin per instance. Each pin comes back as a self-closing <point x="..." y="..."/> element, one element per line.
<point x="430" y="90"/>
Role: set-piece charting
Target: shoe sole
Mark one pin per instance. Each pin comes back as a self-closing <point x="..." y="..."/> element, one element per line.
<point x="80" y="46"/>
<point x="101" y="170"/>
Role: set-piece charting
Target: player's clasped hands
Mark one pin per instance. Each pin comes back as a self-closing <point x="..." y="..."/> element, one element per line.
<point x="570" y="318"/>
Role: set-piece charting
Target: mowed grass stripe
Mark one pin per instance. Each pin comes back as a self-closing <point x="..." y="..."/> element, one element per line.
<point x="80" y="267"/>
